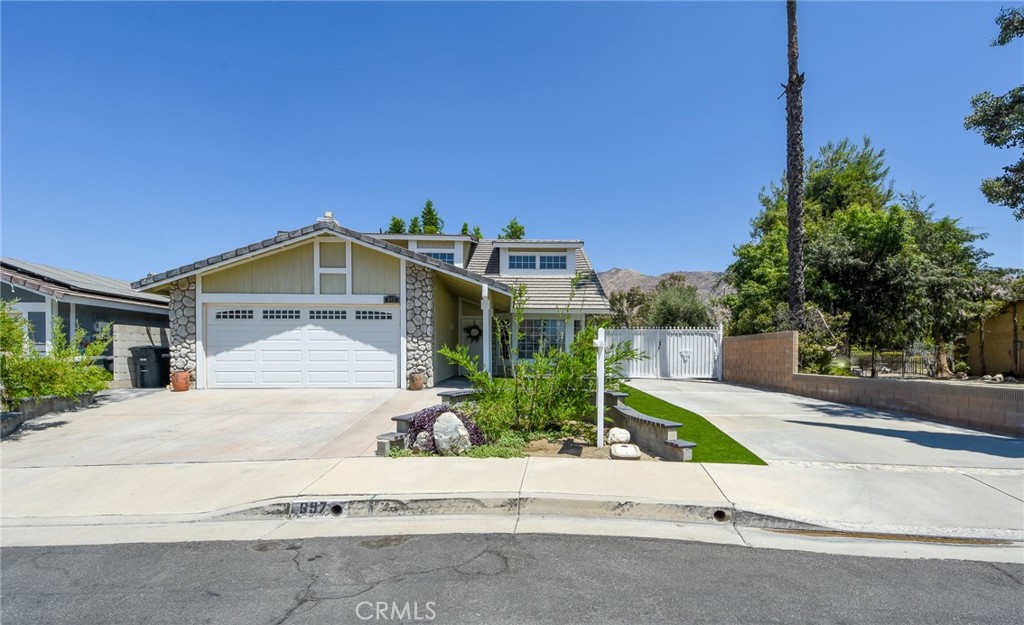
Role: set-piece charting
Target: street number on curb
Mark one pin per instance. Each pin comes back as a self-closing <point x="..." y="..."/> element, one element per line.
<point x="314" y="509"/>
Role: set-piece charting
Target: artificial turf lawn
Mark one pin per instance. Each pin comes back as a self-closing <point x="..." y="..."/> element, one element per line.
<point x="713" y="445"/>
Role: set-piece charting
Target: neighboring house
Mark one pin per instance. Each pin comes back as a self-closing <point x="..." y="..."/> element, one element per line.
<point x="326" y="306"/>
<point x="995" y="347"/>
<point x="44" y="293"/>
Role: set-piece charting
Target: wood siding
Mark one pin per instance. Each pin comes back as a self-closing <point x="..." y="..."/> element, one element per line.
<point x="286" y="272"/>
<point x="374" y="273"/>
<point x="446" y="328"/>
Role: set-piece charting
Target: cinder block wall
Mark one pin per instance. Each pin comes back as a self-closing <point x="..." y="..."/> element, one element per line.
<point x="764" y="360"/>
<point x="770" y="361"/>
<point x="126" y="337"/>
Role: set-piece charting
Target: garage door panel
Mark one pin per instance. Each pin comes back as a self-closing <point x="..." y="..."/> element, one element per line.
<point x="237" y="378"/>
<point x="300" y="352"/>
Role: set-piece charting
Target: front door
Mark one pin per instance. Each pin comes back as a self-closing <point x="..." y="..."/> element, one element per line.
<point x="472" y="336"/>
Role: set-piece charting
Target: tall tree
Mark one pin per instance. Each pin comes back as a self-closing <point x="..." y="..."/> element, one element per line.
<point x="465" y="229"/>
<point x="477" y="232"/>
<point x="629" y="308"/>
<point x="795" y="172"/>
<point x="397" y="226"/>
<point x="432" y="222"/>
<point x="679" y="306"/>
<point x="513" y="230"/>
<point x="1000" y="120"/>
<point x="415" y="226"/>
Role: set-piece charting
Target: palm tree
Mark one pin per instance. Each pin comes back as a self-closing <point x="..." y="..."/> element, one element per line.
<point x="795" y="173"/>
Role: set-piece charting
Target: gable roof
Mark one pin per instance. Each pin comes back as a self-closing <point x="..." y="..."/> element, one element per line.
<point x="153" y="281"/>
<point x="59" y="282"/>
<point x="546" y="292"/>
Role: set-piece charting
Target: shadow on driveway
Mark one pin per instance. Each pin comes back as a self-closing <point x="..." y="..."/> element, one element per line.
<point x="978" y="443"/>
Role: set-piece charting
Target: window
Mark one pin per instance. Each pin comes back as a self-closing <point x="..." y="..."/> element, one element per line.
<point x="447" y="257"/>
<point x="327" y="315"/>
<point x="234" y="314"/>
<point x="281" y="314"/>
<point x="516" y="261"/>
<point x="373" y="315"/>
<point x="540" y="335"/>
<point x="552" y="262"/>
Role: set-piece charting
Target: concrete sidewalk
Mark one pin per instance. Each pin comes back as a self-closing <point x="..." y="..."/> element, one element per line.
<point x="248" y="500"/>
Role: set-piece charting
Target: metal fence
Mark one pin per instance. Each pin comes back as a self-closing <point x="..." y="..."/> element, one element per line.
<point x="673" y="353"/>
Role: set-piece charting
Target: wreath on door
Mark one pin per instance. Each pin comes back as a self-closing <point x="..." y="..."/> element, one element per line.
<point x="474" y="332"/>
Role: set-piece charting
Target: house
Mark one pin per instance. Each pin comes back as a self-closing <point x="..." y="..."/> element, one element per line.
<point x="327" y="306"/>
<point x="43" y="293"/>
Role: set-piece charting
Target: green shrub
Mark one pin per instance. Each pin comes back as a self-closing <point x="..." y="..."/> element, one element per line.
<point x="65" y="372"/>
<point x="507" y="445"/>
<point x="961" y="367"/>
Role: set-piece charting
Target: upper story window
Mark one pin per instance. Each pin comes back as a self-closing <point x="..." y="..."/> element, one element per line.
<point x="519" y="261"/>
<point x="553" y="262"/>
<point x="447" y="257"/>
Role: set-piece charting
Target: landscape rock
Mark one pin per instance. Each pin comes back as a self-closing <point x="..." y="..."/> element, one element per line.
<point x="618" y="435"/>
<point x="422" y="442"/>
<point x="624" y="451"/>
<point x="998" y="377"/>
<point x="961" y="376"/>
<point x="1010" y="379"/>
<point x="986" y="378"/>
<point x="450" y="435"/>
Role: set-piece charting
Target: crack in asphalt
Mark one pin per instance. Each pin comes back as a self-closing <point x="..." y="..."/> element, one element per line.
<point x="1007" y="573"/>
<point x="495" y="565"/>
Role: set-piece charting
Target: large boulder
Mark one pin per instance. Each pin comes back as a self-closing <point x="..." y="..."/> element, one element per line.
<point x="422" y="442"/>
<point x="451" y="438"/>
<point x="618" y="435"/>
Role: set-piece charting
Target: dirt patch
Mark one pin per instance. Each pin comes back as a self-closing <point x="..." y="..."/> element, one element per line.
<point x="571" y="447"/>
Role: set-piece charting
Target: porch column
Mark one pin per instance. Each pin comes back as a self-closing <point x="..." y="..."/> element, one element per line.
<point x="485" y="309"/>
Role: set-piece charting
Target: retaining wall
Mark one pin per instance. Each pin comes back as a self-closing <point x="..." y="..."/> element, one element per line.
<point x="770" y="361"/>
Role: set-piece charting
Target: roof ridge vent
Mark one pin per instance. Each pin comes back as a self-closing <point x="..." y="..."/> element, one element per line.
<point x="328" y="217"/>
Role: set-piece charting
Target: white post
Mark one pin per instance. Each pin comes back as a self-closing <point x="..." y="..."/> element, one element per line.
<point x="72" y="323"/>
<point x="485" y="309"/>
<point x="721" y="355"/>
<point x="599" y="344"/>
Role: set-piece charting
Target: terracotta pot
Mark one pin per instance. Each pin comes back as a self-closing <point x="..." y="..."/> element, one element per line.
<point x="416" y="381"/>
<point x="180" y="381"/>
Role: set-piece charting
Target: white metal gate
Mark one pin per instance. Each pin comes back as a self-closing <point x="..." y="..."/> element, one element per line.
<point x="674" y="353"/>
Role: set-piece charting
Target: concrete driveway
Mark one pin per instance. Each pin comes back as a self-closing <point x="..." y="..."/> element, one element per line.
<point x="213" y="426"/>
<point x="784" y="429"/>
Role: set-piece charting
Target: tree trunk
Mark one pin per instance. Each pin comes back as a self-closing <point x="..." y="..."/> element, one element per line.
<point x="795" y="173"/>
<point x="941" y="359"/>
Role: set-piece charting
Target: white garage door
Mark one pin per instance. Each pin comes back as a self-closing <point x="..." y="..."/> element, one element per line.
<point x="302" y="346"/>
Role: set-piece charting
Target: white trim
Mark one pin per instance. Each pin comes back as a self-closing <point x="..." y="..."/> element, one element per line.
<point x="200" y="334"/>
<point x="153" y="309"/>
<point x="316" y="267"/>
<point x="403" y="378"/>
<point x="348" y="269"/>
<point x="505" y="270"/>
<point x="485" y="313"/>
<point x="292" y="298"/>
<point x="50" y="315"/>
<point x="72" y="321"/>
<point x="526" y="244"/>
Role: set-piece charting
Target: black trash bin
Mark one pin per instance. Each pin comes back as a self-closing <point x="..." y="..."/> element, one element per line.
<point x="152" y="366"/>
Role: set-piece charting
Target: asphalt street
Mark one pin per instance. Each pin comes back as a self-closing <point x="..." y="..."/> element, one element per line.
<point x="483" y="579"/>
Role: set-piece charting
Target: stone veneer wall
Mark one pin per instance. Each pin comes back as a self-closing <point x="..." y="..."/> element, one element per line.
<point x="419" y="318"/>
<point x="770" y="361"/>
<point x="183" y="326"/>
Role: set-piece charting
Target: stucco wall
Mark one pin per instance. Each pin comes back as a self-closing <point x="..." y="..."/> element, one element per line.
<point x="770" y="361"/>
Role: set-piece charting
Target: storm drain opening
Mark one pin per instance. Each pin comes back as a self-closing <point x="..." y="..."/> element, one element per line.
<point x="721" y="516"/>
<point x="337" y="510"/>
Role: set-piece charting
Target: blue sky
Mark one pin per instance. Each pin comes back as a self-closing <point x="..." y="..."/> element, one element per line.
<point x="138" y="137"/>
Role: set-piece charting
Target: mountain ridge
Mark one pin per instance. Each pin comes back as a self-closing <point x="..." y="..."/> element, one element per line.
<point x="616" y="279"/>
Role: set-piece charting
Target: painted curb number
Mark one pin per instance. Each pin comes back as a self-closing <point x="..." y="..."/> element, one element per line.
<point x="310" y="509"/>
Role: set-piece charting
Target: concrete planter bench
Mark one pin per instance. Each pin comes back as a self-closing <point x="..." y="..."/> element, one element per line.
<point x="32" y="407"/>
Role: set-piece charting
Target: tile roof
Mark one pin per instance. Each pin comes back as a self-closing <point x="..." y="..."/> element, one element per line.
<point x="546" y="292"/>
<point x="59" y="282"/>
<point x="320" y="226"/>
